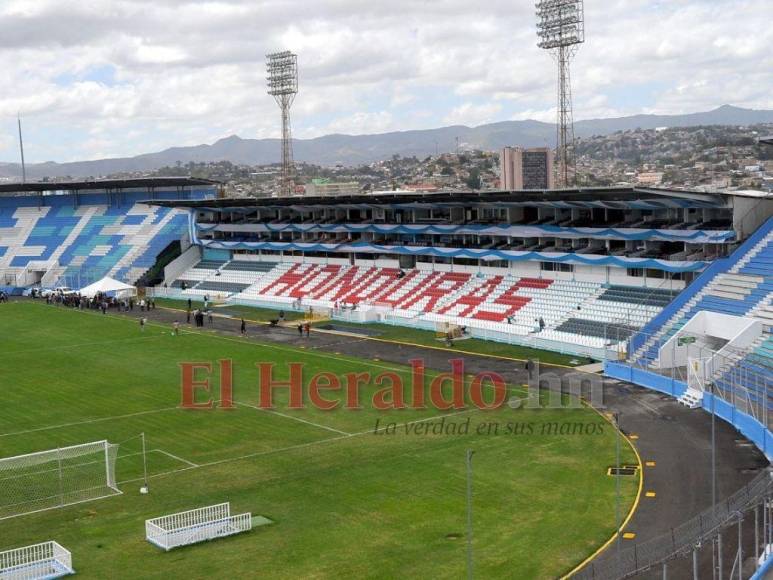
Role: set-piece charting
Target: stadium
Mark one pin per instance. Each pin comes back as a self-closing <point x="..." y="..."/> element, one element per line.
<point x="628" y="328"/>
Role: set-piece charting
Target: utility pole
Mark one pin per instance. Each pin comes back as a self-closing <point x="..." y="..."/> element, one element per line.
<point x="21" y="148"/>
<point x="470" y="453"/>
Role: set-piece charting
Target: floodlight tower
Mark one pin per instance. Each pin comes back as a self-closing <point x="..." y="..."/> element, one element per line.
<point x="561" y="29"/>
<point x="282" y="76"/>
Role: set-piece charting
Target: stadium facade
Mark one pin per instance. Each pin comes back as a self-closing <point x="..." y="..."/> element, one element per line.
<point x="673" y="290"/>
<point x="577" y="271"/>
<point x="74" y="233"/>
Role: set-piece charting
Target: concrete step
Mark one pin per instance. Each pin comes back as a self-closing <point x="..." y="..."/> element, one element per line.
<point x="691" y="399"/>
<point x="725" y="294"/>
<point x="741" y="279"/>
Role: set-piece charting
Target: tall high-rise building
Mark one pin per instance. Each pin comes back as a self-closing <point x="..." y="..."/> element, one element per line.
<point x="526" y="168"/>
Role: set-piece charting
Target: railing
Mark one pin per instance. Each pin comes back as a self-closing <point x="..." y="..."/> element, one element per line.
<point x="193" y="526"/>
<point x="46" y="560"/>
<point x="690" y="535"/>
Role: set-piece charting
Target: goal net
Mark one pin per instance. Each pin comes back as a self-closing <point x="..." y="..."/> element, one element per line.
<point x="56" y="478"/>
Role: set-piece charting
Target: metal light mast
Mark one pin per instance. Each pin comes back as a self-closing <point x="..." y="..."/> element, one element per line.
<point x="561" y="28"/>
<point x="282" y="76"/>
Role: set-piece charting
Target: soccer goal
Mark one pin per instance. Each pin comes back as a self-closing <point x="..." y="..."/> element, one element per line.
<point x="46" y="560"/>
<point x="57" y="478"/>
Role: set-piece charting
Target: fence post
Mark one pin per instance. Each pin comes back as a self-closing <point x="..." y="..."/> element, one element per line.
<point x="756" y="533"/>
<point x="61" y="482"/>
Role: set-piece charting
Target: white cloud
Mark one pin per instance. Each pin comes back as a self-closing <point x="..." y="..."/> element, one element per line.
<point x="192" y="71"/>
<point x="471" y="114"/>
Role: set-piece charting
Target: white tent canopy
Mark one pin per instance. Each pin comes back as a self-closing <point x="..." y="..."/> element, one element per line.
<point x="109" y="286"/>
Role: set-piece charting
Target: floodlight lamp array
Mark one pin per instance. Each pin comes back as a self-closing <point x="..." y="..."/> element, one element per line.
<point x="282" y="73"/>
<point x="560" y="23"/>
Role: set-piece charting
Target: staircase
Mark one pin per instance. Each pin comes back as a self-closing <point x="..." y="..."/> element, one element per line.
<point x="691" y="399"/>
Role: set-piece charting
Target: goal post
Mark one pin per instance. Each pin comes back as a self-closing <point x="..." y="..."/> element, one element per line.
<point x="57" y="477"/>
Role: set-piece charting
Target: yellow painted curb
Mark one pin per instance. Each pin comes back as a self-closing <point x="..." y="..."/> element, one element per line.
<point x="634" y="506"/>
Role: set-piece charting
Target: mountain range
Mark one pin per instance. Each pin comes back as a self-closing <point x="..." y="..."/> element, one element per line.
<point x="351" y="150"/>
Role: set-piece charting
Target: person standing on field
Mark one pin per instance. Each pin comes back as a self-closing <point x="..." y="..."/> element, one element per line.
<point x="243" y="328"/>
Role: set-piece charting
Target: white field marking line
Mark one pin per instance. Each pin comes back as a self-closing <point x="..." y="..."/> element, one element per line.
<point x="180" y="459"/>
<point x="310" y="352"/>
<point x="87" y="421"/>
<point x="430" y="373"/>
<point x="294" y="447"/>
<point x="273" y="412"/>
<point x="402" y="368"/>
<point x="81" y="344"/>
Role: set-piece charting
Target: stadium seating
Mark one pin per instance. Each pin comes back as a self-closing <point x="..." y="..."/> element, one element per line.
<point x="83" y="243"/>
<point x="572" y="312"/>
<point x="743" y="289"/>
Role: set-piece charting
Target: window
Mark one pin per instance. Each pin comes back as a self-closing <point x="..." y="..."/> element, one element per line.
<point x="556" y="267"/>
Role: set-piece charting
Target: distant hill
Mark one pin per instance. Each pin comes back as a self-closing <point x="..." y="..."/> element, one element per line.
<point x="358" y="149"/>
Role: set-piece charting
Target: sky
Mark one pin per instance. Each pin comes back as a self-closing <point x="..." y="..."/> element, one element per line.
<point x="110" y="78"/>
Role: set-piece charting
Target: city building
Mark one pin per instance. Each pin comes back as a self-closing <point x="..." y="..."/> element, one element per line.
<point x="526" y="168"/>
<point x="324" y="187"/>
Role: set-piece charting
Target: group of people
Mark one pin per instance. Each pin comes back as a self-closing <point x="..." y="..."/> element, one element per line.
<point x="198" y="317"/>
<point x="75" y="300"/>
<point x="99" y="301"/>
<point x="304" y="327"/>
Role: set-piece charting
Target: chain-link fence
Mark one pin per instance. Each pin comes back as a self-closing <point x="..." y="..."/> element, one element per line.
<point x="742" y="378"/>
<point x="696" y="534"/>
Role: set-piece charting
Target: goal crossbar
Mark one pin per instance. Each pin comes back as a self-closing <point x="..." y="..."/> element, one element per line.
<point x="55" y="478"/>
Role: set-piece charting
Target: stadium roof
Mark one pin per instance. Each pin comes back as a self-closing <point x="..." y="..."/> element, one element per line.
<point x="148" y="183"/>
<point x="767" y="140"/>
<point x="612" y="194"/>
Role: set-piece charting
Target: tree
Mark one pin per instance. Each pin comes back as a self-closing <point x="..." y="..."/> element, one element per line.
<point x="473" y="180"/>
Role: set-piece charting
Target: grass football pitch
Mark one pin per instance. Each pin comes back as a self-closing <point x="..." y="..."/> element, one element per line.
<point x="346" y="502"/>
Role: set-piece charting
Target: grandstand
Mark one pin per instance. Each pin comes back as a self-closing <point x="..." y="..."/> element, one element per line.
<point x="673" y="289"/>
<point x="72" y="234"/>
<point x="726" y="315"/>
<point x="578" y="271"/>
